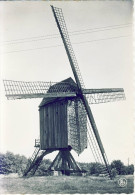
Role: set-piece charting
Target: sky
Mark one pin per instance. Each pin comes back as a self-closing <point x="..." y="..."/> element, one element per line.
<point x="101" y="36"/>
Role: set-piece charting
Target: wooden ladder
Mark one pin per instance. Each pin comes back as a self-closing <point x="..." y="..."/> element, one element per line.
<point x="35" y="161"/>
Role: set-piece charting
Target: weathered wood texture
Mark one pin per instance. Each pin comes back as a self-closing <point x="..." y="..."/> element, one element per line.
<point x="63" y="121"/>
<point x="53" y="125"/>
<point x="64" y="161"/>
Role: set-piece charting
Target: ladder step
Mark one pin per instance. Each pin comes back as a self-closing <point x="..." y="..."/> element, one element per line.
<point x="104" y="172"/>
<point x="103" y="169"/>
<point x="107" y="175"/>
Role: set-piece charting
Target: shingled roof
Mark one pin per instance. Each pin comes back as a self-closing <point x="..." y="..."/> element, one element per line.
<point x="67" y="85"/>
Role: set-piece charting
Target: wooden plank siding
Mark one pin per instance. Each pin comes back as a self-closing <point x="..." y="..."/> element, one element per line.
<point x="53" y="125"/>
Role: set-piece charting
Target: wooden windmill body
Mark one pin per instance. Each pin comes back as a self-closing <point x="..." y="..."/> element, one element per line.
<point x="60" y="129"/>
<point x="66" y="120"/>
<point x="59" y="122"/>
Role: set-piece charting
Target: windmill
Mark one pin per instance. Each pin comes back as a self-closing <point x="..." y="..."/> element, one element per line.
<point x="66" y="120"/>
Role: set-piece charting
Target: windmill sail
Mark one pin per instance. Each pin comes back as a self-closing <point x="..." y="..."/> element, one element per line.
<point x="58" y="14"/>
<point x="96" y="96"/>
<point x="37" y="89"/>
<point x="98" y="152"/>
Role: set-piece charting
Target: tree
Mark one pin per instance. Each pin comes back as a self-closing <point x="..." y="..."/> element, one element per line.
<point x="3" y="164"/>
<point x="130" y="169"/>
<point x="20" y="163"/>
<point x="43" y="167"/>
<point x="10" y="163"/>
<point x="119" y="166"/>
<point x="95" y="168"/>
<point x="114" y="172"/>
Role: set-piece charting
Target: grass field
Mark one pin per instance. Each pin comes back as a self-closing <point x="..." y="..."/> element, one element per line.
<point x="63" y="185"/>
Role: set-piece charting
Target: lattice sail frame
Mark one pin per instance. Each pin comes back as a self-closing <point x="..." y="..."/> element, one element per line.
<point x="36" y="89"/>
<point x="98" y="98"/>
<point x="58" y="14"/>
<point x="40" y="89"/>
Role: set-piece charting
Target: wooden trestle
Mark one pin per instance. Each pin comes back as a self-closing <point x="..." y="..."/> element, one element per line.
<point x="63" y="162"/>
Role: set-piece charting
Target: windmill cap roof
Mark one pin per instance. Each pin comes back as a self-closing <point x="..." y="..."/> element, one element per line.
<point x="67" y="85"/>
